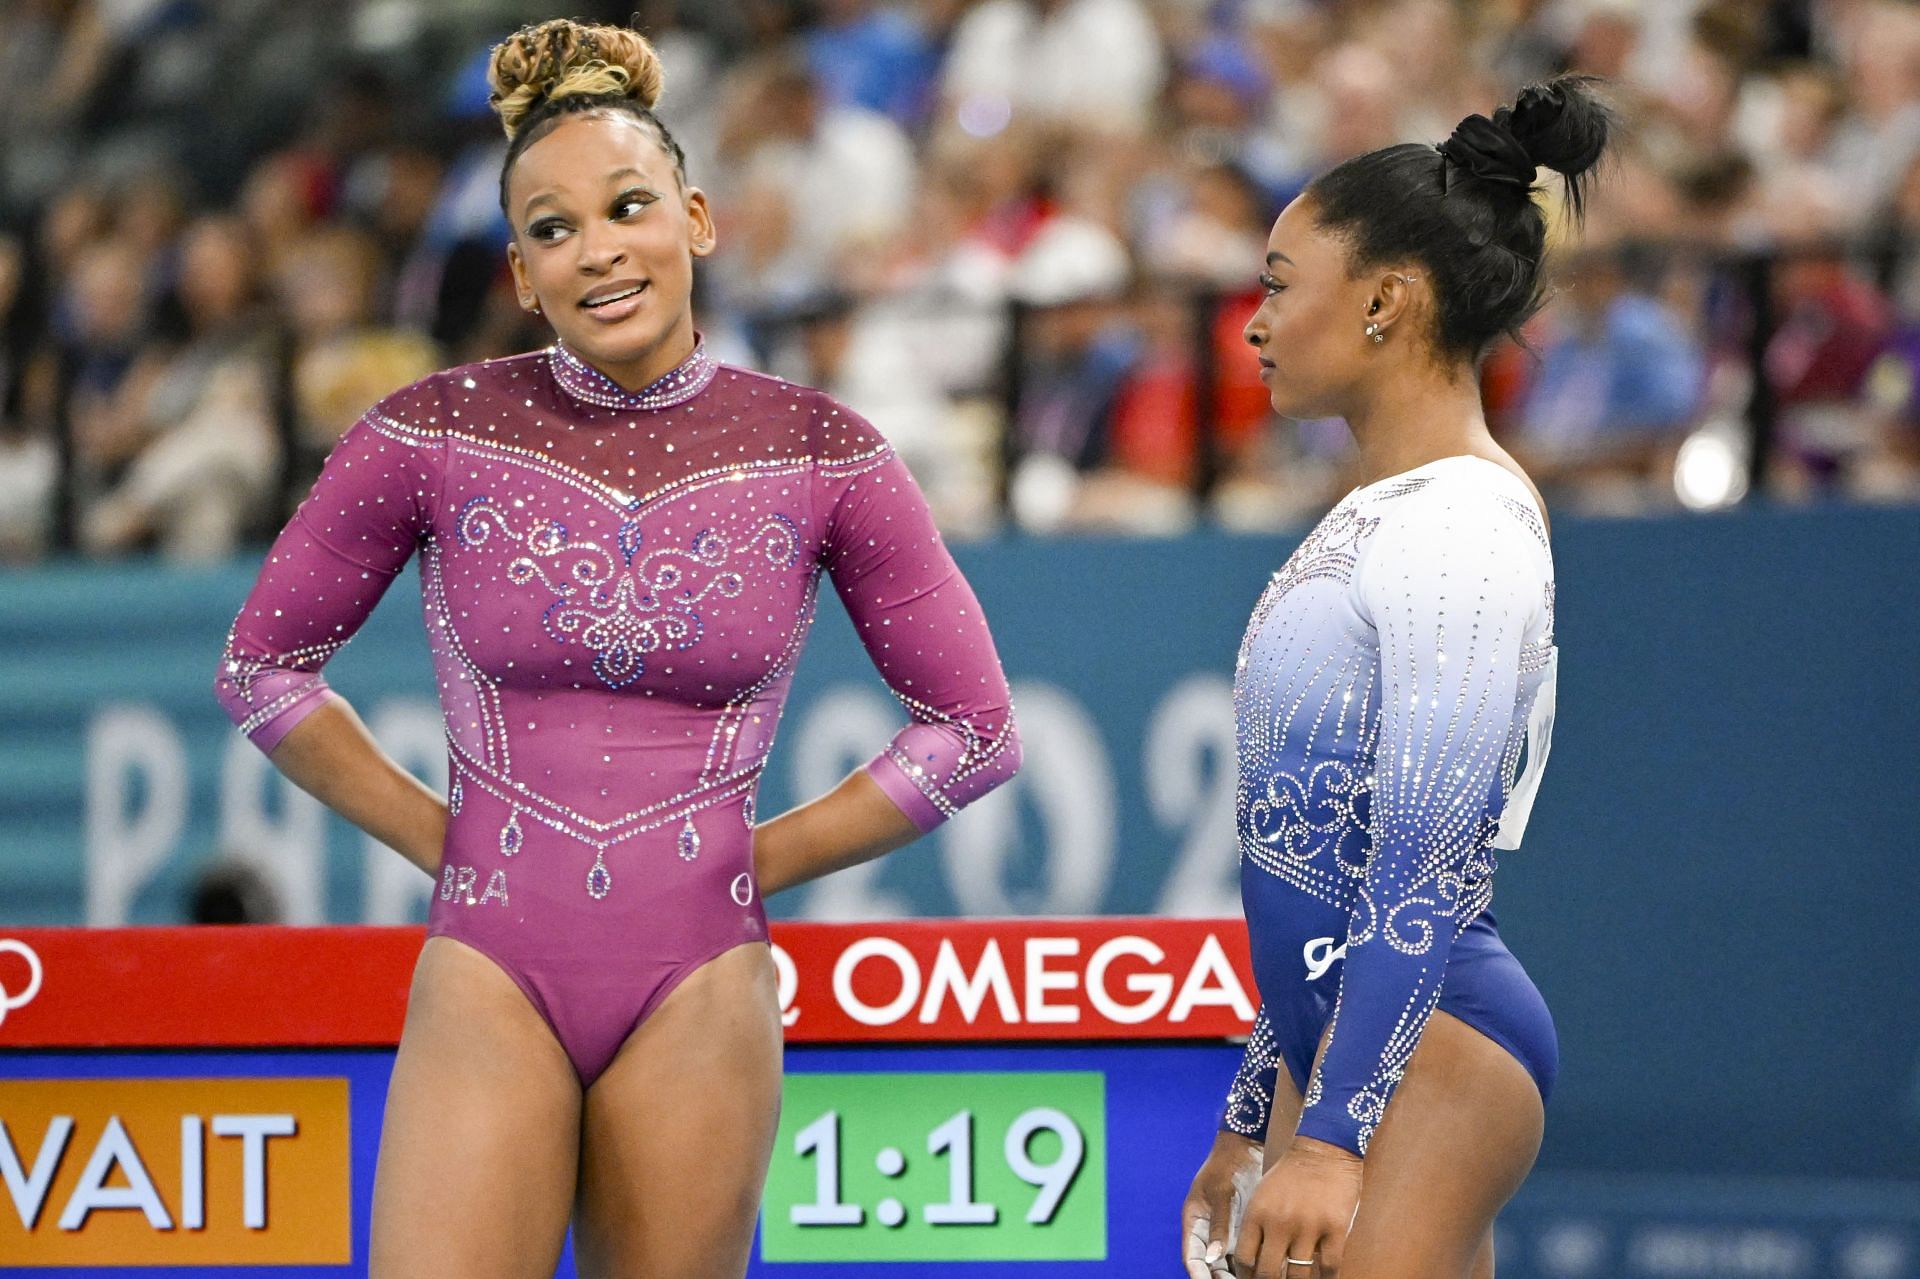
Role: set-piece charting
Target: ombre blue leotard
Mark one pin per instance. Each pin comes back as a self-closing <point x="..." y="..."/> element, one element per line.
<point x="1394" y="700"/>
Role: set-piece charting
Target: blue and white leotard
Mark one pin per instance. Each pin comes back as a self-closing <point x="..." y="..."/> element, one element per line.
<point x="1394" y="675"/>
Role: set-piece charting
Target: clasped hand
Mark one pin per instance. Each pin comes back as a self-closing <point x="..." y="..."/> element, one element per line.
<point x="1300" y="1210"/>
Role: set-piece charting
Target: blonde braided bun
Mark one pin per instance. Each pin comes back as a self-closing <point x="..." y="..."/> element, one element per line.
<point x="565" y="59"/>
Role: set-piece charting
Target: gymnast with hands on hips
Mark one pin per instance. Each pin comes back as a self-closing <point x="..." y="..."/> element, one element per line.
<point x="620" y="540"/>
<point x="1394" y="699"/>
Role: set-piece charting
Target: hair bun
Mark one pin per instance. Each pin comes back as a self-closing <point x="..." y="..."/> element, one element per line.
<point x="565" y="59"/>
<point x="1561" y="124"/>
<point x="1488" y="150"/>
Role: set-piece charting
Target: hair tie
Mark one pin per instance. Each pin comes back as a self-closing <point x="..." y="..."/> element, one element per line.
<point x="1488" y="151"/>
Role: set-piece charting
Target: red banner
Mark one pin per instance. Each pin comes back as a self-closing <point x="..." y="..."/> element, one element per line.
<point x="204" y="987"/>
<point x="928" y="980"/>
<point x="901" y="981"/>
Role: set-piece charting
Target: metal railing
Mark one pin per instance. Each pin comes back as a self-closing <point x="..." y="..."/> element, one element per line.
<point x="1752" y="275"/>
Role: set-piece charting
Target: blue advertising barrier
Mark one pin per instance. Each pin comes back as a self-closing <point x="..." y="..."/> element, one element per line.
<point x="1715" y="896"/>
<point x="1160" y="1103"/>
<point x="1169" y="1126"/>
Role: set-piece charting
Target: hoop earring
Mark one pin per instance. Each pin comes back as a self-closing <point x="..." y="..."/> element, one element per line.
<point x="1374" y="331"/>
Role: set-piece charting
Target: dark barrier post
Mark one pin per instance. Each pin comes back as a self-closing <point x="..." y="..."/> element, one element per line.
<point x="1011" y="379"/>
<point x="1206" y="407"/>
<point x="1762" y="409"/>
<point x="1884" y="253"/>
<point x="66" y="487"/>
<point x="286" y="426"/>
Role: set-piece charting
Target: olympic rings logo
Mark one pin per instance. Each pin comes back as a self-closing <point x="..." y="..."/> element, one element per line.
<point x="8" y="1000"/>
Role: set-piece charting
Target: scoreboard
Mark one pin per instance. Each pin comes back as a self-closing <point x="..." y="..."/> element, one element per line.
<point x="1004" y="1098"/>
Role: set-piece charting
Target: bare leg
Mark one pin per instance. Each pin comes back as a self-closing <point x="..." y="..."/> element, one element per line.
<point x="1460" y="1135"/>
<point x="1483" y="1260"/>
<point x="482" y="1133"/>
<point x="679" y="1130"/>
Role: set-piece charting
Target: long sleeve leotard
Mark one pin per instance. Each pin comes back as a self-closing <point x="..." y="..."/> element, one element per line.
<point x="1394" y="675"/>
<point x="616" y="586"/>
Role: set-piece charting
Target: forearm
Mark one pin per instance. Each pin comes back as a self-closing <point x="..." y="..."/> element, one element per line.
<point x="1388" y="990"/>
<point x="1250" y="1100"/>
<point x="852" y="823"/>
<point x="330" y="755"/>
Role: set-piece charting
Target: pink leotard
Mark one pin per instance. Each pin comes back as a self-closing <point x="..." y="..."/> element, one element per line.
<point x="616" y="587"/>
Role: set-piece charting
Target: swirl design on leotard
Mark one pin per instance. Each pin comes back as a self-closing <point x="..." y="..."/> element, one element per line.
<point x="1250" y="1100"/>
<point x="622" y="605"/>
<point x="1298" y="818"/>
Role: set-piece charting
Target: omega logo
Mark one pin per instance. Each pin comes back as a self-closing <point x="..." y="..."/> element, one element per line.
<point x="8" y="1000"/>
<point x="743" y="889"/>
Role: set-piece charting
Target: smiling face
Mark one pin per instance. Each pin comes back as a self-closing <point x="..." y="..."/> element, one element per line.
<point x="604" y="238"/>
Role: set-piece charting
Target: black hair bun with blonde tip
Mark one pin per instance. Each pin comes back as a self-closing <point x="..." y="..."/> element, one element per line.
<point x="553" y="61"/>
<point x="544" y="73"/>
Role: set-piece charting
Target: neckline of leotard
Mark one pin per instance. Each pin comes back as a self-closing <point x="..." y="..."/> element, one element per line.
<point x="1412" y="471"/>
<point x="678" y="385"/>
<point x="1533" y="503"/>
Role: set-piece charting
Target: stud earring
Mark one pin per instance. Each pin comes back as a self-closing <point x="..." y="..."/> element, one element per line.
<point x="1374" y="332"/>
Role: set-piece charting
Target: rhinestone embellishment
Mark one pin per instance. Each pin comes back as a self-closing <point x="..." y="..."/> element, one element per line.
<point x="510" y="836"/>
<point x="746" y="811"/>
<point x="584" y="382"/>
<point x="454" y="798"/>
<point x="689" y="842"/>
<point x="599" y="879"/>
<point x="619" y="609"/>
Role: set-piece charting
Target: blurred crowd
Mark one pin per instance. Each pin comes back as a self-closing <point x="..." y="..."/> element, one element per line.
<point x="1019" y="235"/>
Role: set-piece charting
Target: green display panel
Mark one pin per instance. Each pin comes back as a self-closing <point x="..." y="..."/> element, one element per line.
<point x="939" y="1167"/>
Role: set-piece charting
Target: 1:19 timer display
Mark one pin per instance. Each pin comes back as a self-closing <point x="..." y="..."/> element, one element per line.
<point x="927" y="1167"/>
